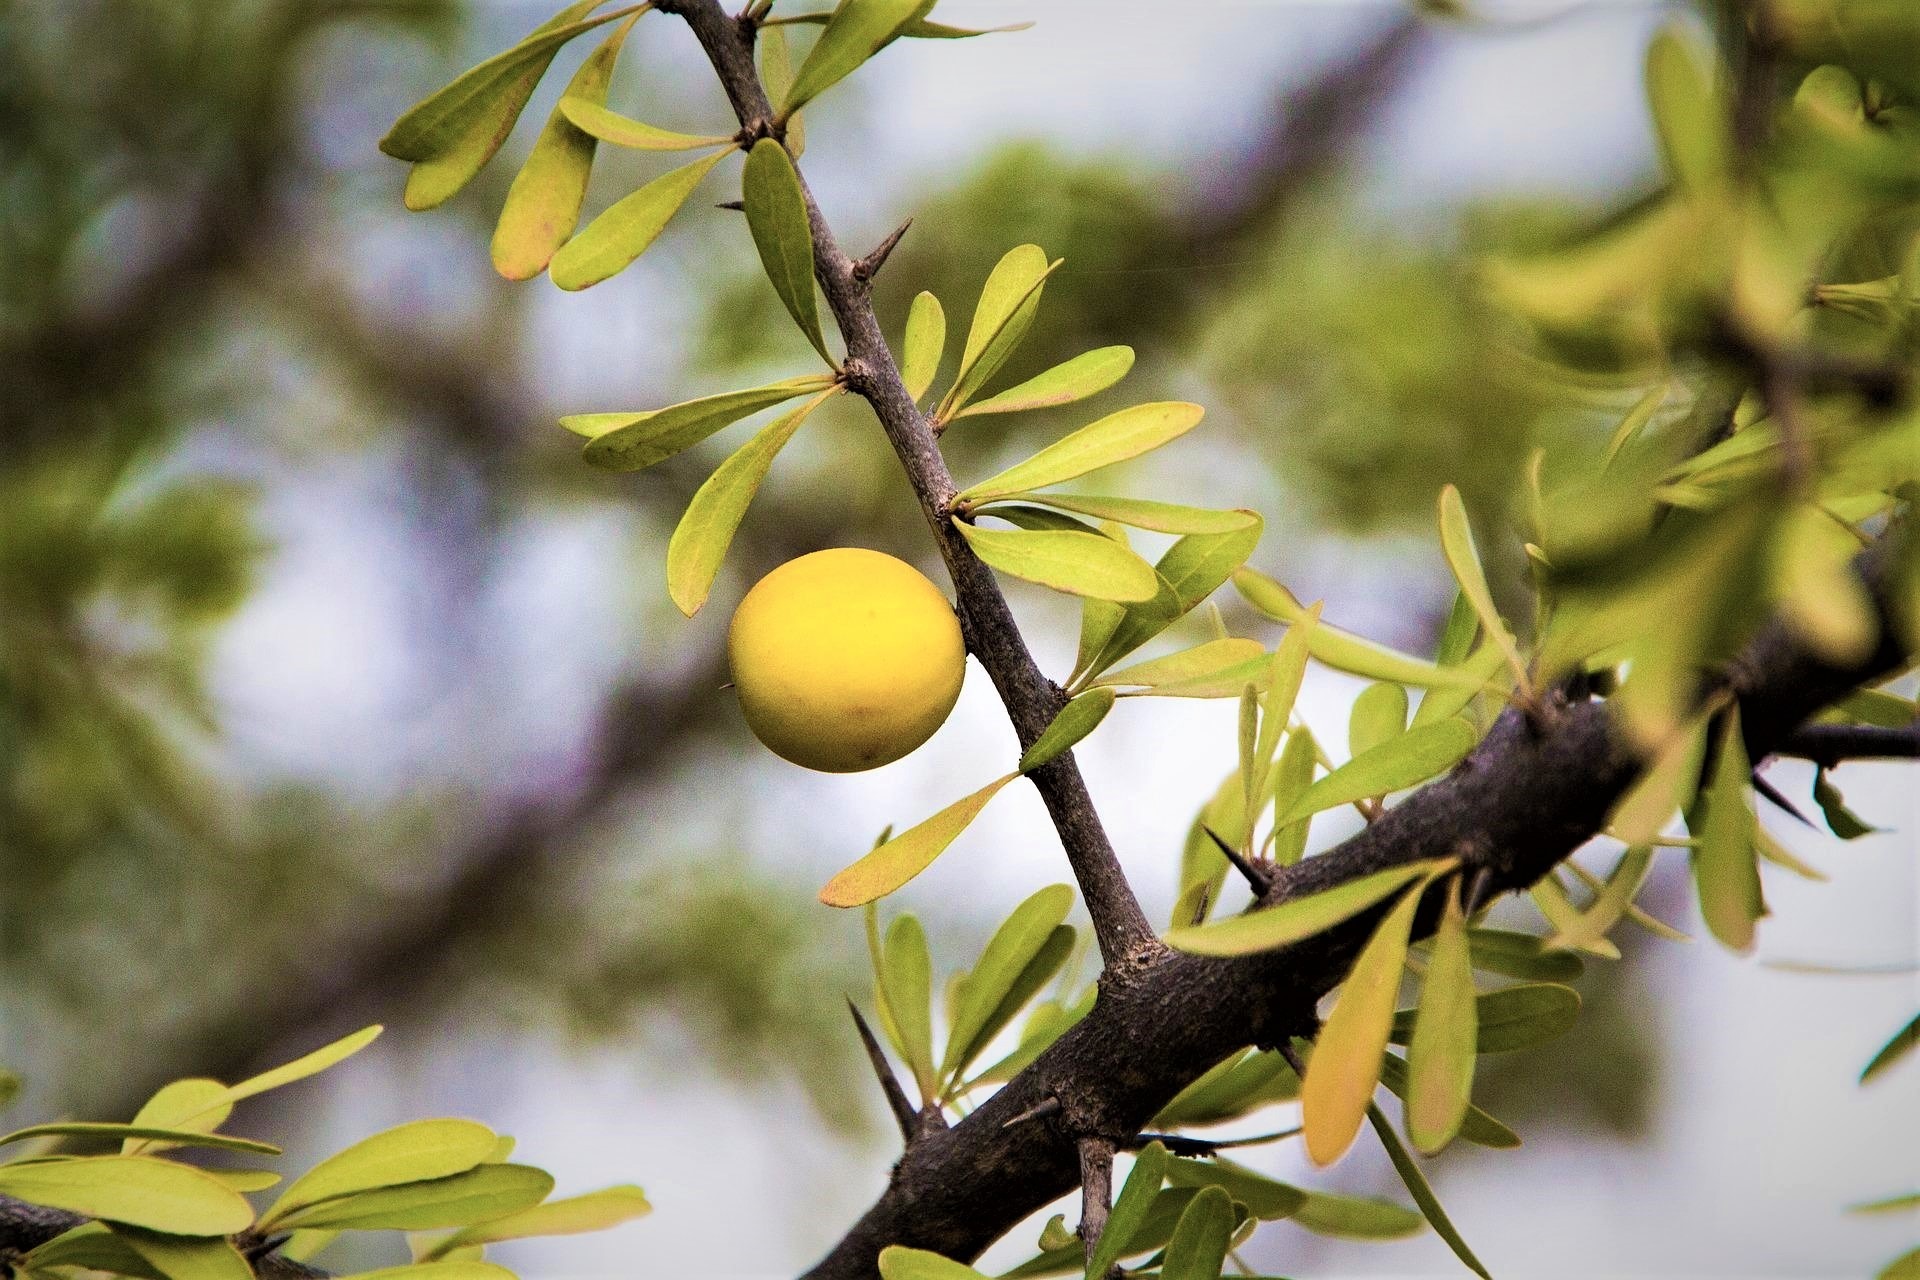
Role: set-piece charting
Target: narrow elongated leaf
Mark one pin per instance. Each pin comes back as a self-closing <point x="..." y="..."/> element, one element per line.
<point x="1440" y="1059"/>
<point x="1456" y="540"/>
<point x="1238" y="1084"/>
<point x="1199" y="1244"/>
<point x="595" y="1211"/>
<point x="140" y="1191"/>
<point x="1593" y="924"/>
<point x="1293" y="774"/>
<point x="1550" y="896"/>
<point x="1688" y="115"/>
<point x="905" y="856"/>
<point x="445" y="1269"/>
<point x="777" y="216"/>
<point x="1422" y="1192"/>
<point x="1192" y="569"/>
<point x="1726" y="867"/>
<point x="1085" y="375"/>
<point x="1265" y="1199"/>
<point x="195" y="1105"/>
<point x="590" y="116"/>
<point x="1286" y="672"/>
<point x="1892" y="1204"/>
<point x="1511" y="1018"/>
<point x="412" y="1152"/>
<point x="897" y="1262"/>
<point x="185" y="1257"/>
<point x="1054" y="952"/>
<point x="1040" y="518"/>
<point x="1379" y="716"/>
<point x="1636" y="420"/>
<point x="92" y="1246"/>
<point x="1208" y="659"/>
<point x="1521" y="955"/>
<point x="1342" y="650"/>
<point x="1476" y="674"/>
<point x="1130" y="1208"/>
<point x="1114" y="438"/>
<point x="925" y="343"/>
<point x="1842" y="821"/>
<point x="1356" y="1217"/>
<point x="906" y="976"/>
<point x="1893" y="1050"/>
<point x="479" y="1195"/>
<point x="1299" y="918"/>
<point x="130" y="1132"/>
<point x="1904" y="1267"/>
<point x="1666" y="787"/>
<point x="923" y="29"/>
<point x="1411" y="758"/>
<point x="700" y="541"/>
<point x="1081" y="564"/>
<point x="857" y="30"/>
<point x="1338" y="1086"/>
<point x="543" y="204"/>
<point x="1013" y="946"/>
<point x="611" y="242"/>
<point x="1076" y="720"/>
<point x="634" y="441"/>
<point x="1159" y="517"/>
<point x="1477" y="1127"/>
<point x="1001" y="317"/>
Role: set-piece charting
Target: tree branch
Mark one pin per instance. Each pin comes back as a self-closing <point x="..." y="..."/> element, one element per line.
<point x="1096" y="1191"/>
<point x="1127" y="941"/>
<point x="1830" y="744"/>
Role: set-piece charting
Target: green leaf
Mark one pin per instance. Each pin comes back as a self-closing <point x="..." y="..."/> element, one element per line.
<point x="1114" y="438"/>
<point x="246" y="1180"/>
<point x="1521" y="955"/>
<point x="1512" y="1018"/>
<point x="1129" y="1208"/>
<point x="1338" y="1086"/>
<point x="1440" y="1059"/>
<point x="611" y="242"/>
<point x="1688" y="113"/>
<point x="1265" y="1199"/>
<point x="412" y="1152"/>
<point x="906" y="978"/>
<point x="195" y="1105"/>
<point x="174" y="1137"/>
<point x="1402" y="762"/>
<point x="1040" y="519"/>
<point x="905" y="856"/>
<point x="543" y="204"/>
<point x="590" y="116"/>
<point x="185" y="1257"/>
<point x="461" y="1269"/>
<point x="1298" y="918"/>
<point x="1286" y="672"/>
<point x="1592" y="925"/>
<point x="922" y="29"/>
<point x="1292" y="776"/>
<point x="777" y="216"/>
<point x="1081" y="564"/>
<point x="1904" y="1267"/>
<point x="92" y="1246"/>
<point x="1842" y="821"/>
<point x="1013" y="947"/>
<point x="1191" y="570"/>
<point x="1076" y="720"/>
<point x="1892" y="1204"/>
<point x="1356" y="1217"/>
<point x="1203" y="660"/>
<point x="700" y="541"/>
<point x="1342" y="650"/>
<point x="1478" y="1127"/>
<point x="634" y="441"/>
<point x="480" y="1194"/>
<point x="1199" y="1244"/>
<point x="1422" y="1192"/>
<point x="140" y="1191"/>
<point x="926" y="342"/>
<point x="857" y="30"/>
<point x="1159" y="517"/>
<point x="1551" y="897"/>
<point x="452" y="135"/>
<point x="1379" y="716"/>
<point x="1008" y="301"/>
<point x="595" y="1211"/>
<point x="1895" y="1049"/>
<point x="1085" y="375"/>
<point x="1456" y="540"/>
<point x="1636" y="420"/>
<point x="1666" y="786"/>
<point x="897" y="1262"/>
<point x="1726" y="868"/>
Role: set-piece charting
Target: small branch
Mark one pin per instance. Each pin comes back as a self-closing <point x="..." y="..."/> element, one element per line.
<point x="903" y="1113"/>
<point x="1830" y="744"/>
<point x="1096" y="1191"/>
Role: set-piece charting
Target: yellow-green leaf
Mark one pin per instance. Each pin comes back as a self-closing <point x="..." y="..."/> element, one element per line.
<point x="1191" y="570"/>
<point x="247" y="1180"/>
<point x="1422" y="1192"/>
<point x="590" y="116"/>
<point x="905" y="856"/>
<point x="1085" y="375"/>
<point x="140" y="1191"/>
<point x="906" y="980"/>
<point x="480" y="1194"/>
<point x="1001" y="318"/>
<point x="1342" y="650"/>
<point x="857" y="30"/>
<point x="1200" y="1241"/>
<point x="1666" y="787"/>
<point x="461" y="1269"/>
<point x="595" y="1211"/>
<point x="131" y="1132"/>
<point x="1405" y="761"/>
<point x="634" y="441"/>
<point x="1478" y="1127"/>
<point x="187" y="1257"/>
<point x="1076" y="720"/>
<point x="1298" y="918"/>
<point x="1208" y="659"/>
<point x="926" y="341"/>
<point x="201" y="1106"/>
<point x="776" y="75"/>
<point x="1726" y="868"/>
<point x="92" y="1246"/>
<point x="1440" y="1059"/>
<point x="1378" y="716"/>
<point x="700" y="541"/>
<point x="1081" y="564"/>
<point x="1689" y="116"/>
<point x="1014" y="945"/>
<point x="1593" y="924"/>
<point x="1456" y="541"/>
<point x="897" y="1262"/>
<point x="1345" y="1067"/>
<point x="1114" y="438"/>
<point x="777" y="216"/>
<point x="1159" y="517"/>
<point x="1521" y="955"/>
<point x="611" y="242"/>
<point x="1510" y="1019"/>
<point x="1893" y="1050"/>
<point x="412" y="1152"/>
<point x="1130" y="1208"/>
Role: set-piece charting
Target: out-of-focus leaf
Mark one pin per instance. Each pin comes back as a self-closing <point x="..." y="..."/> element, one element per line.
<point x="1550" y="896"/>
<point x="1015" y="945"/>
<point x="923" y="29"/>
<point x="1593" y="924"/>
<point x="857" y="30"/>
<point x="1265" y="1198"/>
<point x="1210" y="658"/>
<point x="908" y="854"/>
<point x="1379" y="715"/>
<point x="591" y="117"/>
<point x="610" y="243"/>
<point x="1636" y="420"/>
<point x="1337" y="1088"/>
<point x="700" y="541"/>
<point x="1356" y="1217"/>
<point x="305" y="1246"/>
<point x="185" y="1257"/>
<point x="1081" y="564"/>
<point x="1199" y="1244"/>
<point x="1129" y="1208"/>
<point x="1342" y="650"/>
<point x="777" y="216"/>
<point x="1405" y="761"/>
<point x="1895" y="1049"/>
<point x="1456" y="540"/>
<point x="1842" y="821"/>
<point x="1477" y="1127"/>
<point x="897" y="1262"/>
<point x="1726" y="868"/>
<point x="1114" y="438"/>
<point x="543" y="204"/>
<point x="173" y="1137"/>
<point x="1874" y="706"/>
<point x="479" y="1195"/>
<point x="1008" y="301"/>
<point x="1085" y="375"/>
<point x="1892" y="1204"/>
<point x="1290" y="921"/>
<point x="1512" y="1018"/>
<point x="1141" y="513"/>
<point x="1440" y="1058"/>
<point x="1422" y="1192"/>
<point x="1521" y="955"/>
<point x="1688" y="114"/>
<point x="1666" y="787"/>
<point x="1822" y="599"/>
<point x="633" y="441"/>
<point x="447" y="1269"/>
<point x="595" y="1211"/>
<point x="92" y="1246"/>
<point x="926" y="341"/>
<point x="1076" y="720"/>
<point x="412" y="1152"/>
<point x="1904" y="1267"/>
<point x="140" y="1191"/>
<point x="906" y="977"/>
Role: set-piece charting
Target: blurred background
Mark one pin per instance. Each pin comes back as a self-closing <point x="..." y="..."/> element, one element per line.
<point x="335" y="689"/>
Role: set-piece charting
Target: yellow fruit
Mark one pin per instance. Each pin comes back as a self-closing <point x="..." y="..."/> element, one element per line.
<point x="845" y="659"/>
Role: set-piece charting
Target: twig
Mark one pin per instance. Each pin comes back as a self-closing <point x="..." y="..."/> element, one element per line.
<point x="903" y="1113"/>
<point x="1830" y="744"/>
<point x="1096" y="1191"/>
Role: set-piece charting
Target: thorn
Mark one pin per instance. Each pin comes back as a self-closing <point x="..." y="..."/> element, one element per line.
<point x="1772" y="795"/>
<point x="1255" y="876"/>
<point x="903" y="1112"/>
<point x="1045" y="1107"/>
<point x="738" y="206"/>
<point x="1479" y="890"/>
<point x="869" y="267"/>
<point x="261" y="1248"/>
